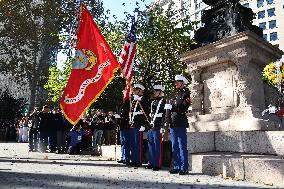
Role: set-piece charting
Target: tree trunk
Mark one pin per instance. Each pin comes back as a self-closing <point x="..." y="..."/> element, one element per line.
<point x="33" y="86"/>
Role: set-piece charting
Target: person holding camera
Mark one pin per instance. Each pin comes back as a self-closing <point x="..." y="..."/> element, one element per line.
<point x="33" y="130"/>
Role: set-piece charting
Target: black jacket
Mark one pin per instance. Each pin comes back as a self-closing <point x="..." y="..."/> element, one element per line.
<point x="180" y="102"/>
<point x="99" y="122"/>
<point x="158" y="122"/>
<point x="140" y="119"/>
<point x="45" y="121"/>
<point x="123" y="121"/>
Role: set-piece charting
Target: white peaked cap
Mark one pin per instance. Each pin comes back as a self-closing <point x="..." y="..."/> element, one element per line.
<point x="181" y="78"/>
<point x="159" y="87"/>
<point x="139" y="86"/>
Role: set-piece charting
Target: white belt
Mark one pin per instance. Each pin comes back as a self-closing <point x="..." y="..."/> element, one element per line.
<point x="155" y="116"/>
<point x="137" y="113"/>
<point x="158" y="115"/>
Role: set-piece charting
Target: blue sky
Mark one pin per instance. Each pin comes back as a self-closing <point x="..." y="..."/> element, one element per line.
<point x="116" y="7"/>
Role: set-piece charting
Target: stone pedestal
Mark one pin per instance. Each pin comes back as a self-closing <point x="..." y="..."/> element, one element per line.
<point x="227" y="91"/>
<point x="228" y="97"/>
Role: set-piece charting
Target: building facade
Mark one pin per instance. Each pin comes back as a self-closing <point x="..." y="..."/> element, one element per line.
<point x="269" y="15"/>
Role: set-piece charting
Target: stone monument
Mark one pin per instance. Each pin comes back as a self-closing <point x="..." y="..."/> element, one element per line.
<point x="227" y="134"/>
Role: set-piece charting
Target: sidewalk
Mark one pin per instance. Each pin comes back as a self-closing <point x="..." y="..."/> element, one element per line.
<point x="21" y="169"/>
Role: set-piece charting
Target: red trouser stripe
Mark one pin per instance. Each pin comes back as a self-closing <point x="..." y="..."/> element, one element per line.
<point x="141" y="140"/>
<point x="161" y="148"/>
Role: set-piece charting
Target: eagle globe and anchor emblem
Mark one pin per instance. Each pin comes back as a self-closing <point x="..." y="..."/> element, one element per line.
<point x="86" y="60"/>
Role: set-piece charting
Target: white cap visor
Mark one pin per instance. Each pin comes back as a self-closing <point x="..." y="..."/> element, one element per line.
<point x="181" y="78"/>
<point x="139" y="86"/>
<point x="159" y="87"/>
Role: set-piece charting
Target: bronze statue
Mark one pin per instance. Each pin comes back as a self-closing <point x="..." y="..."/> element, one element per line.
<point x="225" y="18"/>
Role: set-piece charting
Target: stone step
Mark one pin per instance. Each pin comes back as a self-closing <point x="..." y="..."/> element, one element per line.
<point x="111" y="151"/>
<point x="252" y="142"/>
<point x="215" y="122"/>
<point x="266" y="169"/>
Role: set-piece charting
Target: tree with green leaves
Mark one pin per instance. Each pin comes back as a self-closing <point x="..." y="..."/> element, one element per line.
<point x="11" y="108"/>
<point x="32" y="32"/>
<point x="163" y="35"/>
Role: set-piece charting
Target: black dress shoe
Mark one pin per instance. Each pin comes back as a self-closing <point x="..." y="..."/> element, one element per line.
<point x="183" y="173"/>
<point x="156" y="168"/>
<point x="149" y="167"/>
<point x="174" y="171"/>
<point x="120" y="161"/>
<point x="137" y="165"/>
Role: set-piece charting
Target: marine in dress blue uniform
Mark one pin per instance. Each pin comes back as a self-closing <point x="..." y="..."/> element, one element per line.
<point x="178" y="106"/>
<point x="154" y="134"/>
<point x="137" y="121"/>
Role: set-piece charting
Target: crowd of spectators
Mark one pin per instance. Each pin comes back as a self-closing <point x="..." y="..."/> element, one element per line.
<point x="47" y="130"/>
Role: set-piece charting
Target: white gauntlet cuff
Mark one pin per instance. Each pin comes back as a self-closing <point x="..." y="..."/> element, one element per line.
<point x="168" y="107"/>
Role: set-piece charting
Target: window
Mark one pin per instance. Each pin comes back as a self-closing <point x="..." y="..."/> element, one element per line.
<point x="198" y="16"/>
<point x="246" y="5"/>
<point x="271" y="12"/>
<point x="273" y="36"/>
<point x="262" y="25"/>
<point x="260" y="3"/>
<point x="272" y="24"/>
<point x="199" y="4"/>
<point x="261" y="14"/>
<point x="265" y="37"/>
<point x="269" y="2"/>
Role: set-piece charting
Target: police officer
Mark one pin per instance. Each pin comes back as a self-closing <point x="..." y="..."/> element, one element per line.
<point x="154" y="135"/>
<point x="123" y="123"/>
<point x="138" y="120"/>
<point x="178" y="105"/>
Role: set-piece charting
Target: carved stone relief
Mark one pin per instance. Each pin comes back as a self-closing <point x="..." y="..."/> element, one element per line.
<point x="218" y="87"/>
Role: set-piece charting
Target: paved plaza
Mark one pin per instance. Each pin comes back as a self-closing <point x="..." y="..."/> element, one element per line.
<point x="23" y="170"/>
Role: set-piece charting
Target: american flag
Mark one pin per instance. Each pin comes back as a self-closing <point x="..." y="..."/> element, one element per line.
<point x="126" y="60"/>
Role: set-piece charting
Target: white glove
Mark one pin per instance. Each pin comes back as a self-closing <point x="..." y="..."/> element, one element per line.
<point x="142" y="128"/>
<point x="162" y="130"/>
<point x="168" y="107"/>
<point x="117" y="116"/>
<point x="138" y="98"/>
<point x="272" y="109"/>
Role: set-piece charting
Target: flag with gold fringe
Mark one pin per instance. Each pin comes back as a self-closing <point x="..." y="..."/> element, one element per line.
<point x="93" y="69"/>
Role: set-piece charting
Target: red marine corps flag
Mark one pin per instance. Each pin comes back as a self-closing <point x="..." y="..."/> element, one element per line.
<point x="92" y="69"/>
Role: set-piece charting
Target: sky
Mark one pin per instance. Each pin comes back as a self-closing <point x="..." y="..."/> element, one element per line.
<point x="116" y="8"/>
